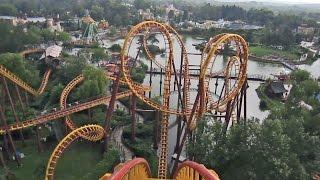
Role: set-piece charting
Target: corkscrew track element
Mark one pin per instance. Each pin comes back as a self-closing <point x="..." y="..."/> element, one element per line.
<point x="89" y="132"/>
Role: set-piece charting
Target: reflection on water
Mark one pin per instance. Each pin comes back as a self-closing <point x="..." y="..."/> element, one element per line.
<point x="253" y="68"/>
<point x="314" y="68"/>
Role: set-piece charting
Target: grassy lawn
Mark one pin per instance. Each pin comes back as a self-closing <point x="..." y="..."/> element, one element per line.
<point x="263" y="51"/>
<point x="76" y="162"/>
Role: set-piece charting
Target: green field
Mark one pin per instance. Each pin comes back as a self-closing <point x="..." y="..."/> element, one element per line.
<point x="261" y="51"/>
<point x="79" y="160"/>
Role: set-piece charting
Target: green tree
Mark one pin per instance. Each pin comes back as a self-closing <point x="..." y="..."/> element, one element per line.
<point x="117" y="20"/>
<point x="142" y="4"/>
<point x="73" y="67"/>
<point x="97" y="12"/>
<point x="8" y="9"/>
<point x="115" y="48"/>
<point x="95" y="83"/>
<point x="16" y="64"/>
<point x="112" y="31"/>
<point x="63" y="36"/>
<point x="300" y="75"/>
<point x="272" y="150"/>
<point x="47" y="35"/>
<point x="55" y="94"/>
<point x="99" y="54"/>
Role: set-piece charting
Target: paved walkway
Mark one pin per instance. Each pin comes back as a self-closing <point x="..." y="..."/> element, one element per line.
<point x="116" y="135"/>
<point x="126" y="153"/>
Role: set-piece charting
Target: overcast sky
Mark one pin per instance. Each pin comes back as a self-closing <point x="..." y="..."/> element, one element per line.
<point x="279" y="1"/>
<point x="292" y="1"/>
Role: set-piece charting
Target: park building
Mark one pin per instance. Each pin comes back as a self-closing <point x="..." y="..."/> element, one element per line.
<point x="54" y="26"/>
<point x="304" y="29"/>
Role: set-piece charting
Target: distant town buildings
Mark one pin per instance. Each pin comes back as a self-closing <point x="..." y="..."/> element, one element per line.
<point x="311" y="47"/>
<point x="172" y="11"/>
<point x="221" y="23"/>
<point x="145" y="14"/>
<point x="304" y="29"/>
<point x="54" y="26"/>
<point x="20" y="21"/>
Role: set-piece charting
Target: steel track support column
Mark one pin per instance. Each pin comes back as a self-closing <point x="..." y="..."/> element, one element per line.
<point x="27" y="98"/>
<point x="156" y="129"/>
<point x="179" y="127"/>
<point x="186" y="132"/>
<point x="216" y="86"/>
<point x="4" y="81"/>
<point x="150" y="77"/>
<point x="8" y="134"/>
<point x="109" y="110"/>
<point x="39" y="145"/>
<point x="245" y="100"/>
<point x="20" y="100"/>
<point x="133" y="117"/>
<point x="3" y="163"/>
<point x="228" y="115"/>
<point x="161" y="71"/>
<point x="6" y="151"/>
<point x="179" y="131"/>
<point x="239" y="110"/>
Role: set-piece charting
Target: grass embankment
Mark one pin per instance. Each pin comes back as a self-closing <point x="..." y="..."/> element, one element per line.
<point x="79" y="160"/>
<point x="142" y="147"/>
<point x="262" y="51"/>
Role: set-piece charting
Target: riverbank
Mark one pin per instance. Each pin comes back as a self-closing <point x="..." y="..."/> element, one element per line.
<point x="268" y="53"/>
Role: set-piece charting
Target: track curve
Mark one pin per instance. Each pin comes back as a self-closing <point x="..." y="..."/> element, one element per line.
<point x="88" y="132"/>
<point x="15" y="79"/>
<point x="73" y="83"/>
<point x="62" y="113"/>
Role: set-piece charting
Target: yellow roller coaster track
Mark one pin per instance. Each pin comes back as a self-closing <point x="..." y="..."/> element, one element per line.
<point x="203" y="102"/>
<point x="150" y="26"/>
<point x="75" y="82"/>
<point x="62" y="113"/>
<point x="138" y="169"/>
<point x="185" y="73"/>
<point x="207" y="61"/>
<point x="31" y="51"/>
<point x="212" y="52"/>
<point x="146" y="26"/>
<point x="15" y="79"/>
<point x="89" y="132"/>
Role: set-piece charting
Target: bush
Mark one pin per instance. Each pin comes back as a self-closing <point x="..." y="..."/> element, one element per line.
<point x="263" y="105"/>
<point x="109" y="161"/>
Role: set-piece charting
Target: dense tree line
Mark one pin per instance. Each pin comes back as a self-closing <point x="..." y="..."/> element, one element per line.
<point x="283" y="146"/>
<point x="16" y="38"/>
<point x="114" y="11"/>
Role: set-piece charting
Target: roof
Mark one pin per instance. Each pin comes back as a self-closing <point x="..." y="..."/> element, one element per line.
<point x="52" y="51"/>
<point x="87" y="20"/>
<point x="277" y="87"/>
